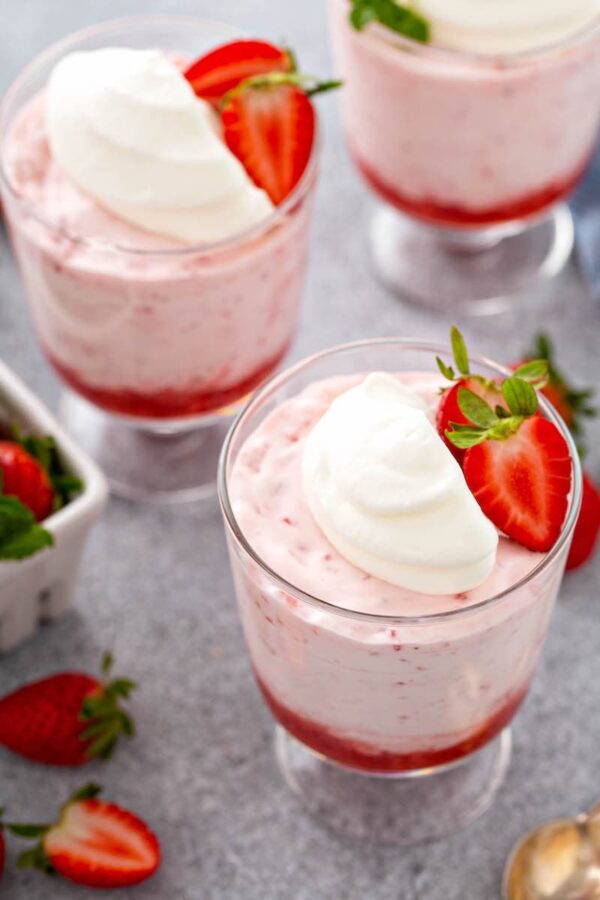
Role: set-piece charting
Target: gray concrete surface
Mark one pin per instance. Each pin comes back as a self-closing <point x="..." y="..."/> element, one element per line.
<point x="156" y="588"/>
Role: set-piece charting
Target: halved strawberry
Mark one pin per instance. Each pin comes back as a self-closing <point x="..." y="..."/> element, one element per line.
<point x="522" y="482"/>
<point x="449" y="411"/>
<point x="94" y="843"/>
<point x="221" y="70"/>
<point x="23" y="477"/>
<point x="587" y="528"/>
<point x="270" y="126"/>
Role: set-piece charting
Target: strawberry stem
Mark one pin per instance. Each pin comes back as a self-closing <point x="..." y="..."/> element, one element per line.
<point x="106" y="720"/>
<point x="483" y="422"/>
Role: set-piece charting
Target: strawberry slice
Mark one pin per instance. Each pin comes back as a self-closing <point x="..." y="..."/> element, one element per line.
<point x="587" y="528"/>
<point x="94" y="843"/>
<point x="522" y="482"/>
<point x="516" y="463"/>
<point x="270" y="126"/>
<point x="23" y="477"/>
<point x="221" y="70"/>
<point x="449" y="411"/>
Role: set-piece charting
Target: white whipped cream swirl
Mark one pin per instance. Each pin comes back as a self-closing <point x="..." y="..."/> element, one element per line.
<point x="388" y="494"/>
<point x="126" y="127"/>
<point x="505" y="26"/>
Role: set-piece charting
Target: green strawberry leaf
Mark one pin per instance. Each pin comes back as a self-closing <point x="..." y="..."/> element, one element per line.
<point x="475" y="408"/>
<point x="578" y="400"/>
<point x="44" y="449"/>
<point x="20" y="534"/>
<point x="447" y="371"/>
<point x="399" y="18"/>
<point x="467" y="437"/>
<point x="535" y="371"/>
<point x="87" y="792"/>
<point x="27" y="831"/>
<point x="459" y="350"/>
<point x="520" y="397"/>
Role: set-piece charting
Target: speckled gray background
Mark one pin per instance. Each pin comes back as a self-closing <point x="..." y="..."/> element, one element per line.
<point x="156" y="588"/>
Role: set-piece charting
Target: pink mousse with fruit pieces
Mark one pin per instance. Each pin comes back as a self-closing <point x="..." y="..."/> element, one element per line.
<point x="160" y="213"/>
<point x="469" y="113"/>
<point x="351" y="492"/>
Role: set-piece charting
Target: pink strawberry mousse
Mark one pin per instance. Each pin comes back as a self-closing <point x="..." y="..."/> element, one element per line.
<point x="144" y="323"/>
<point x="465" y="132"/>
<point x="378" y="695"/>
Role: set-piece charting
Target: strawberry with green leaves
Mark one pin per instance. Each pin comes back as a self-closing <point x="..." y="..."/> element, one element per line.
<point x="23" y="477"/>
<point x="516" y="463"/>
<point x="33" y="484"/>
<point x="269" y="123"/>
<point x="93" y="843"/>
<point x="67" y="719"/>
<point x="449" y="409"/>
<point x="573" y="404"/>
<point x="267" y="116"/>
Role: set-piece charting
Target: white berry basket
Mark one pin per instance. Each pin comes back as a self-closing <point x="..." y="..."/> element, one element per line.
<point x="42" y="587"/>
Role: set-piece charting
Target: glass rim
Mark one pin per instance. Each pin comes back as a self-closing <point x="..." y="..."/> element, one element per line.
<point x="578" y="37"/>
<point x="435" y="347"/>
<point x="62" y="46"/>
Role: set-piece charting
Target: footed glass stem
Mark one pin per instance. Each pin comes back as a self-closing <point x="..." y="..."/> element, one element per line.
<point x="403" y="809"/>
<point x="480" y="272"/>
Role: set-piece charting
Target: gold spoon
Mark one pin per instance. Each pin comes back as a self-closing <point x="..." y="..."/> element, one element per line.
<point x="557" y="861"/>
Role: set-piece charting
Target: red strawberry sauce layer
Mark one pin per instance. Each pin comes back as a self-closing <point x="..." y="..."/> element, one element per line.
<point x="361" y="755"/>
<point x="167" y="403"/>
<point x="428" y="210"/>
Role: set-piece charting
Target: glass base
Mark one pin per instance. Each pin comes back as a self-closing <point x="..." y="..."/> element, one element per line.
<point x="164" y="462"/>
<point x="408" y="808"/>
<point x="480" y="272"/>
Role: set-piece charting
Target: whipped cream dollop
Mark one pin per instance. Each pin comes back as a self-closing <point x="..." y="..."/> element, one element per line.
<point x="388" y="494"/>
<point x="504" y="26"/>
<point x="127" y="128"/>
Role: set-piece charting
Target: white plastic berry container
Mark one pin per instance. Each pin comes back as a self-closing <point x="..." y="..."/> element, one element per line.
<point x="42" y="587"/>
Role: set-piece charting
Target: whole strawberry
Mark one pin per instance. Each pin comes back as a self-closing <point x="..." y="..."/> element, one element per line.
<point x="587" y="529"/>
<point x="94" y="843"/>
<point x="23" y="477"/>
<point x="66" y="719"/>
<point x="574" y="405"/>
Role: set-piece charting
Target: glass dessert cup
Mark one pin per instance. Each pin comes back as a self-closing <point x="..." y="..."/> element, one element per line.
<point x="471" y="158"/>
<point x="391" y="729"/>
<point x="156" y="346"/>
